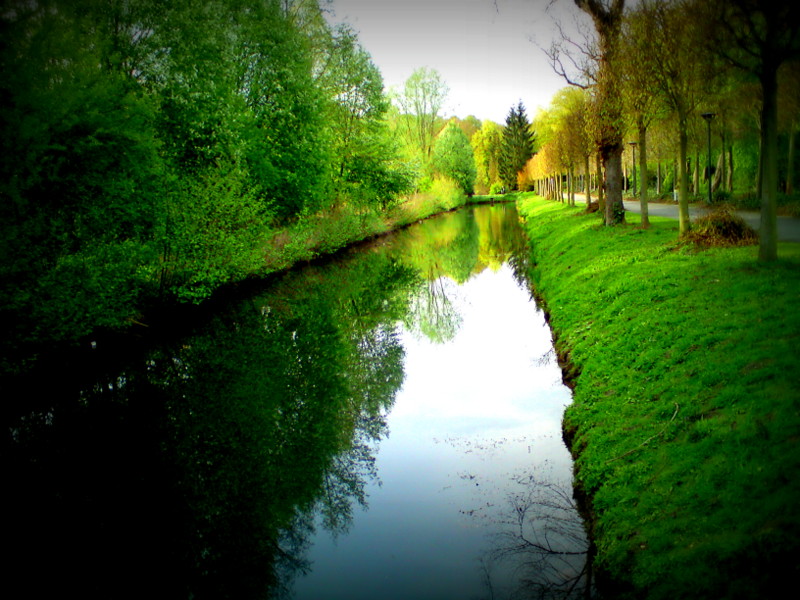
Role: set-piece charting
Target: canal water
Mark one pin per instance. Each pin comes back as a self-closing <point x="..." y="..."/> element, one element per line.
<point x="385" y="424"/>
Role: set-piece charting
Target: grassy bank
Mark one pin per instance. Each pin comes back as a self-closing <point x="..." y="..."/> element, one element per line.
<point x="686" y="414"/>
<point x="331" y="230"/>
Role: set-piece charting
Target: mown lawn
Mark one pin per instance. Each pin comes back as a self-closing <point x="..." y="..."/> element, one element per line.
<point x="686" y="414"/>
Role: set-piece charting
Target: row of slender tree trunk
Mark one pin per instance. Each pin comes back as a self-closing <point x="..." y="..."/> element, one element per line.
<point x="560" y="186"/>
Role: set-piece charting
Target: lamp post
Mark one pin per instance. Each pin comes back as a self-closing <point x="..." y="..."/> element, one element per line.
<point x="709" y="117"/>
<point x="633" y="146"/>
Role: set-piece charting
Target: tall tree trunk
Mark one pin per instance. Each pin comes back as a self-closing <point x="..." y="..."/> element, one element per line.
<point x="683" y="173"/>
<point x="696" y="174"/>
<point x="571" y="186"/>
<point x="676" y="181"/>
<point x="768" y="231"/>
<point x="615" y="210"/>
<point x="601" y="194"/>
<point x="718" y="173"/>
<point x="790" y="160"/>
<point x="624" y="177"/>
<point x="607" y="17"/>
<point x="658" y="179"/>
<point x="730" y="168"/>
<point x="642" y="130"/>
<point x="759" y="169"/>
<point x="587" y="181"/>
<point x="724" y="172"/>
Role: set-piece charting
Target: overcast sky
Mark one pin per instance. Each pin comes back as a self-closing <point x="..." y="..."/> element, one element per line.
<point x="485" y="50"/>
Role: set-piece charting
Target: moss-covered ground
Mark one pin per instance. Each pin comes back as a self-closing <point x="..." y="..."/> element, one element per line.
<point x="685" y="422"/>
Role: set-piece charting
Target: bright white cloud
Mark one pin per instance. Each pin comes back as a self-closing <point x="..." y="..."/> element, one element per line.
<point x="486" y="51"/>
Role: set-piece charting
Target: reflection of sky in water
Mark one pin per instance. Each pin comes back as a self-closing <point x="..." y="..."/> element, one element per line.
<point x="475" y="417"/>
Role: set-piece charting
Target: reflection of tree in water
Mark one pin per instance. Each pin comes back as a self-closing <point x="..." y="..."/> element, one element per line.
<point x="432" y="311"/>
<point x="544" y="544"/>
<point x="454" y="248"/>
<point x="502" y="240"/>
<point x="197" y="471"/>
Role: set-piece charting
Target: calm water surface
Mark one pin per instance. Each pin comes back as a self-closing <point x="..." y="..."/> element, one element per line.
<point x="473" y="453"/>
<point x="383" y="425"/>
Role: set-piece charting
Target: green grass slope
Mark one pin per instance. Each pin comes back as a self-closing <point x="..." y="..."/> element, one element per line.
<point x="686" y="415"/>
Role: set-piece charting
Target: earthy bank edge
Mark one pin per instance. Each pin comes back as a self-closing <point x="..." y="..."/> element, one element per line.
<point x="685" y="421"/>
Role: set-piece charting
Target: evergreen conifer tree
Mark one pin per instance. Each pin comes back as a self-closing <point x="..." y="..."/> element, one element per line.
<point x="517" y="146"/>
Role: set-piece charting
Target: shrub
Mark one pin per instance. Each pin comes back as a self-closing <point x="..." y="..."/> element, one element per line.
<point x="447" y="193"/>
<point x="497" y="188"/>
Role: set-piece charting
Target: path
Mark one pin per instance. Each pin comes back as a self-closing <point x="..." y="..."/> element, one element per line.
<point x="788" y="227"/>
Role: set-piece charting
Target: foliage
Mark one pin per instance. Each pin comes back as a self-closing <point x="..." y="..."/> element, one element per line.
<point x="149" y="150"/>
<point x="757" y="37"/>
<point x="368" y="171"/>
<point x="447" y="193"/>
<point x="684" y="419"/>
<point x="453" y="157"/>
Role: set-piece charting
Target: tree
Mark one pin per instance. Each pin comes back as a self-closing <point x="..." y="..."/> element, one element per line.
<point x="607" y="18"/>
<point x="422" y="98"/>
<point x="640" y="97"/>
<point x="758" y="36"/>
<point x="486" y="144"/>
<point x="569" y="117"/>
<point x="366" y="162"/>
<point x="453" y="157"/>
<point x="517" y="145"/>
<point x="683" y="81"/>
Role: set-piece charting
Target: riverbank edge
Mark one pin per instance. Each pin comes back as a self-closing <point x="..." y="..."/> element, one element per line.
<point x="634" y="471"/>
<point x="325" y="237"/>
<point x="319" y="237"/>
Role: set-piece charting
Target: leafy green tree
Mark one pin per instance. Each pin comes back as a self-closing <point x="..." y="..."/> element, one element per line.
<point x="568" y="132"/>
<point x="79" y="173"/>
<point x="486" y="146"/>
<point x="367" y="165"/>
<point x="517" y="147"/>
<point x="149" y="147"/>
<point x="453" y="157"/>
<point x="421" y="101"/>
<point x="641" y="99"/>
<point x="470" y="125"/>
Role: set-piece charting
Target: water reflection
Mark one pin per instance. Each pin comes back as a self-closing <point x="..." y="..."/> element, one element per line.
<point x="477" y="414"/>
<point x="542" y="541"/>
<point x="204" y="466"/>
<point x="196" y="469"/>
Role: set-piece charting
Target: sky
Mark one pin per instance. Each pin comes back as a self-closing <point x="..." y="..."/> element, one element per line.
<point x="487" y="51"/>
